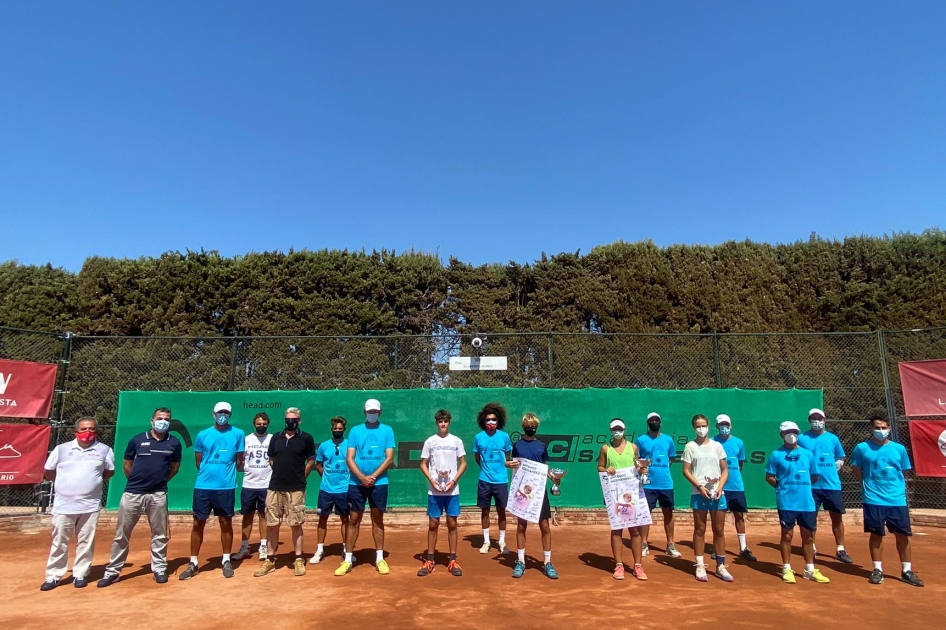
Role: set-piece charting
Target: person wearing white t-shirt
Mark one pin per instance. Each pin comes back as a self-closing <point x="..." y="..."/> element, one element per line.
<point x="443" y="462"/>
<point x="257" y="472"/>
<point x="77" y="470"/>
<point x="704" y="466"/>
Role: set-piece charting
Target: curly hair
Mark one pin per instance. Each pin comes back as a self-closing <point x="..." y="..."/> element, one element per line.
<point x="495" y="409"/>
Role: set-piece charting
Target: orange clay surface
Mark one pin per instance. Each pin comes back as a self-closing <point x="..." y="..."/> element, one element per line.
<point x="586" y="596"/>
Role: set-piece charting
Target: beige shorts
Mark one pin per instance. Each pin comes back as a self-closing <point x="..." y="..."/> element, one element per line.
<point x="288" y="507"/>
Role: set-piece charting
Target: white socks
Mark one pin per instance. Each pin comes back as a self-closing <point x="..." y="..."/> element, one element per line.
<point x="840" y="548"/>
<point x="548" y="556"/>
<point x="321" y="548"/>
<point x="742" y="541"/>
<point x="787" y="567"/>
<point x="262" y="542"/>
<point x="809" y="567"/>
<point x="522" y="555"/>
<point x="348" y="557"/>
<point x="502" y="537"/>
<point x="878" y="566"/>
<point x="907" y="566"/>
<point x="379" y="555"/>
<point x="226" y="557"/>
<point x="486" y="536"/>
<point x="699" y="561"/>
<point x="194" y="560"/>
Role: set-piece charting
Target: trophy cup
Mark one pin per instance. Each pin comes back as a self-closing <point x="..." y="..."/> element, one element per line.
<point x="557" y="474"/>
<point x="645" y="478"/>
<point x="711" y="487"/>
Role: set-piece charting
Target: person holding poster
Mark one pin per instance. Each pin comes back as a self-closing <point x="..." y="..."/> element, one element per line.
<point x="526" y="493"/>
<point x="704" y="466"/>
<point x="621" y="455"/>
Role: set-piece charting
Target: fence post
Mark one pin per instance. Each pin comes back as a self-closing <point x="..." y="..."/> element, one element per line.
<point x="716" y="362"/>
<point x="551" y="366"/>
<point x="891" y="406"/>
<point x="397" y="343"/>
<point x="233" y="363"/>
<point x="44" y="498"/>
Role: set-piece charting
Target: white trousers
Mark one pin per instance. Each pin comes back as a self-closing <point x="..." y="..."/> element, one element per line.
<point x="64" y="526"/>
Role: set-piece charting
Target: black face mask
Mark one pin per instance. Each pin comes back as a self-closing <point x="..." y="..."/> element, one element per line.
<point x="530" y="431"/>
<point x="338" y="434"/>
<point x="654" y="426"/>
<point x="292" y="425"/>
<point x="261" y="430"/>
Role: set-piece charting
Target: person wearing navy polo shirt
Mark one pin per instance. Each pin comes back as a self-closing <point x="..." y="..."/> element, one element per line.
<point x="735" y="489"/>
<point x="528" y="447"/>
<point x="659" y="450"/>
<point x="879" y="464"/>
<point x="218" y="453"/>
<point x="151" y="460"/>
<point x="791" y="470"/>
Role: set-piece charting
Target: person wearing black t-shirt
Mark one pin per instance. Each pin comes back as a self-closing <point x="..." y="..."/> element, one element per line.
<point x="528" y="447"/>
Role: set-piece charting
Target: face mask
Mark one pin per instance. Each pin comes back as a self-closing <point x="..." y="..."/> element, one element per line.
<point x="85" y="436"/>
<point x="725" y="430"/>
<point x="530" y="431"/>
<point x="338" y="434"/>
<point x="222" y="419"/>
<point x="372" y="416"/>
<point x="162" y="426"/>
<point x="790" y="439"/>
<point x="881" y="434"/>
<point x="654" y="426"/>
<point x="617" y="435"/>
<point x="261" y="430"/>
<point x="491" y="426"/>
<point x="817" y="425"/>
<point x="702" y="431"/>
<point x="292" y="424"/>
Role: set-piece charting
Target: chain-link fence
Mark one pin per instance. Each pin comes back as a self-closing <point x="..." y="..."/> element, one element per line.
<point x="857" y="371"/>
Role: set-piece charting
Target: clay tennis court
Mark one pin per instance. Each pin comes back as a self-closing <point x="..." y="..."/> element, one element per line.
<point x="485" y="597"/>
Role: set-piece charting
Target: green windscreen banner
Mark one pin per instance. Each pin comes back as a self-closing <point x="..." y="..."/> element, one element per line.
<point x="574" y="425"/>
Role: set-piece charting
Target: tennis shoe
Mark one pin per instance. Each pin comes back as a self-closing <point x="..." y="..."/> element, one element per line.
<point x="701" y="573"/>
<point x="263" y="551"/>
<point x="426" y="568"/>
<point x="550" y="571"/>
<point x="876" y="576"/>
<point x="672" y="551"/>
<point x="189" y="572"/>
<point x="723" y="573"/>
<point x="242" y="552"/>
<point x="844" y="557"/>
<point x="911" y="578"/>
<point x="227" y="569"/>
<point x="503" y="549"/>
<point x="382" y="567"/>
<point x="745" y="554"/>
<point x="788" y="576"/>
<point x="519" y="569"/>
<point x="343" y="568"/>
<point x="815" y="576"/>
<point x="645" y="550"/>
<point x="619" y="572"/>
<point x="454" y="569"/>
<point x="317" y="557"/>
<point x="638" y="572"/>
<point x="484" y="548"/>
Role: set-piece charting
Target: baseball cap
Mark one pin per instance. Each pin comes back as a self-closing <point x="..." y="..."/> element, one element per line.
<point x="788" y="426"/>
<point x="617" y="423"/>
<point x="816" y="412"/>
<point x="723" y="419"/>
<point x="372" y="404"/>
<point x="223" y="406"/>
<point x="653" y="414"/>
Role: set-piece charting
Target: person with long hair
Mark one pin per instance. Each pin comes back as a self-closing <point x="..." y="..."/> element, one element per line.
<point x="492" y="450"/>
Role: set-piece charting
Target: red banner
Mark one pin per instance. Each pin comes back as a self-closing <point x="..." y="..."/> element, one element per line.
<point x="26" y="389"/>
<point x="924" y="387"/>
<point x="22" y="452"/>
<point x="929" y="447"/>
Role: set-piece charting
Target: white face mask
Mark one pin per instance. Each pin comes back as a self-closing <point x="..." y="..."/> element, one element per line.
<point x="702" y="431"/>
<point x="372" y="416"/>
<point x="790" y="439"/>
<point x="817" y="425"/>
<point x="617" y="435"/>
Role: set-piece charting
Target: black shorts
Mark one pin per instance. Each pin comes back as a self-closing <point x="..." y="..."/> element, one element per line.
<point x="833" y="500"/>
<point x="252" y="500"/>
<point x="736" y="501"/>
<point x="375" y="496"/>
<point x="220" y="502"/>
<point x="789" y="518"/>
<point x="896" y="518"/>
<point x="337" y="502"/>
<point x="664" y="497"/>
<point x="487" y="492"/>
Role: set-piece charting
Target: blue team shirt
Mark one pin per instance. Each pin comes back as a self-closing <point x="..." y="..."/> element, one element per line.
<point x="335" y="473"/>
<point x="659" y="450"/>
<point x="793" y="470"/>
<point x="827" y="449"/>
<point x="370" y="445"/>
<point x="219" y="450"/>
<point x="735" y="453"/>
<point x="882" y="473"/>
<point x="492" y="450"/>
<point x="531" y="449"/>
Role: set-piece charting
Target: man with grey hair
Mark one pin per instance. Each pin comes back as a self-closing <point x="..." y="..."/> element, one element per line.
<point x="77" y="470"/>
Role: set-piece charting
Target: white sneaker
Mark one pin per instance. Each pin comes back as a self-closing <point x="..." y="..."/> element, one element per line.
<point x="484" y="548"/>
<point x="503" y="549"/>
<point x="723" y="573"/>
<point x="701" y="573"/>
<point x="645" y="550"/>
<point x="317" y="558"/>
<point x="243" y="552"/>
<point x="263" y="552"/>
<point x="672" y="551"/>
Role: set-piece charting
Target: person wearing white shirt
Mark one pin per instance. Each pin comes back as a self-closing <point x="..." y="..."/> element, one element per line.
<point x="77" y="470"/>
<point x="257" y="473"/>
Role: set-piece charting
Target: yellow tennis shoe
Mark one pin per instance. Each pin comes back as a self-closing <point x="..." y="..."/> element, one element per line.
<point x="815" y="576"/>
<point x="788" y="576"/>
<point x="382" y="567"/>
<point x="343" y="568"/>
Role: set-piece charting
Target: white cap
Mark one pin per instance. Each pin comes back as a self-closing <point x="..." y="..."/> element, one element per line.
<point x="723" y="419"/>
<point x="617" y="422"/>
<point x="223" y="406"/>
<point x="653" y="414"/>
<point x="788" y="426"/>
<point x="816" y="412"/>
<point x="372" y="404"/>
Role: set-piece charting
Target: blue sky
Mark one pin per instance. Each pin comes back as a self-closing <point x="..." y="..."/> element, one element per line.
<point x="491" y="131"/>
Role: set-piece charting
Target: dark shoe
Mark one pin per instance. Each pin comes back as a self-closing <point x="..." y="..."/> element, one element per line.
<point x="843" y="557"/>
<point x="426" y="568"/>
<point x="189" y="572"/>
<point x="108" y="580"/>
<point x="745" y="554"/>
<point x="876" y="576"/>
<point x="228" y="569"/>
<point x="911" y="578"/>
<point x="161" y="578"/>
<point x="80" y="582"/>
<point x="49" y="585"/>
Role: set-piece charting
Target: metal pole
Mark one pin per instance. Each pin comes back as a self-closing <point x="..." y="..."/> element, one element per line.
<point x="551" y="364"/>
<point x="397" y="343"/>
<point x="891" y="406"/>
<point x="716" y="362"/>
<point x="233" y="362"/>
<point x="55" y="418"/>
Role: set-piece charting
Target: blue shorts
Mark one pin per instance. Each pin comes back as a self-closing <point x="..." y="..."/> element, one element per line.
<point x="252" y="500"/>
<point x="220" y="502"/>
<point x="438" y="504"/>
<point x="487" y="492"/>
<point x="789" y="518"/>
<point x="833" y="500"/>
<point x="664" y="497"/>
<point x="736" y="501"/>
<point x="376" y="497"/>
<point x="697" y="502"/>
<point x="896" y="518"/>
<point x="336" y="500"/>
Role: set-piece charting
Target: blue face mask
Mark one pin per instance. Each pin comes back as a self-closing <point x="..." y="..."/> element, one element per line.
<point x="725" y="430"/>
<point x="162" y="426"/>
<point x="222" y="419"/>
<point x="881" y="434"/>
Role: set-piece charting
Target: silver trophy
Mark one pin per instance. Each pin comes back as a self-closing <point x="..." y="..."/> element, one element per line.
<point x="644" y="463"/>
<point x="557" y="474"/>
<point x="711" y="487"/>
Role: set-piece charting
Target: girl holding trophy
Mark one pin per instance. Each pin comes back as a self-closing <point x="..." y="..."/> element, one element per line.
<point x="704" y="466"/>
<point x="614" y="456"/>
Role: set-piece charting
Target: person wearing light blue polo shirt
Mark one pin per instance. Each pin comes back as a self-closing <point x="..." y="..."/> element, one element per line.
<point x="659" y="451"/>
<point x="735" y="490"/>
